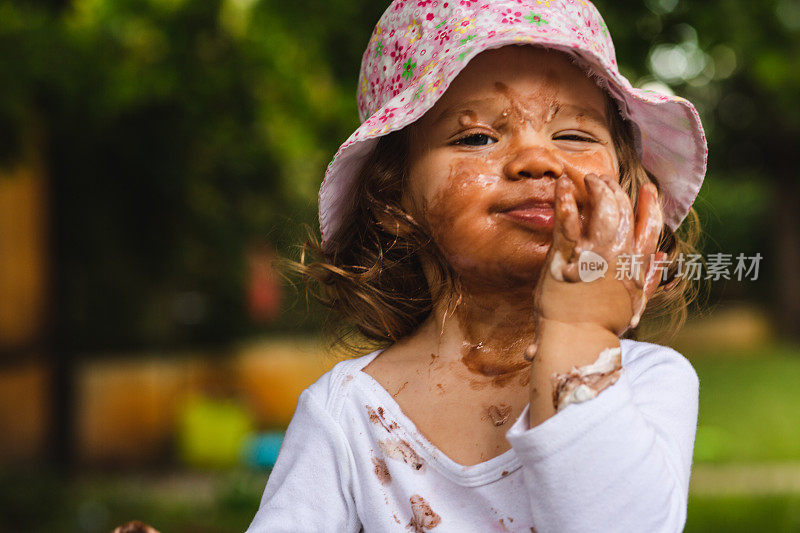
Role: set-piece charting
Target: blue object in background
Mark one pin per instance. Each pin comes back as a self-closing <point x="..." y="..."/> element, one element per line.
<point x="261" y="450"/>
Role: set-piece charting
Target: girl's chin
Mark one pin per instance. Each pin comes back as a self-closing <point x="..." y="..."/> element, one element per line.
<point x="517" y="271"/>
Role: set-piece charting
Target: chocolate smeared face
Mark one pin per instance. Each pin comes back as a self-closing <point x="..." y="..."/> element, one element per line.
<point x="484" y="160"/>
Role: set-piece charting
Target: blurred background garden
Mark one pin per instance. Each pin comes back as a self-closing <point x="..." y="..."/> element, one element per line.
<point x="156" y="156"/>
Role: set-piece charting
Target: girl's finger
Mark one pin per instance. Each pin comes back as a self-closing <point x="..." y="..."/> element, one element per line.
<point x="567" y="208"/>
<point x="605" y="214"/>
<point x="649" y="221"/>
<point x="624" y="237"/>
<point x="571" y="272"/>
<point x="653" y="277"/>
<point x="566" y="228"/>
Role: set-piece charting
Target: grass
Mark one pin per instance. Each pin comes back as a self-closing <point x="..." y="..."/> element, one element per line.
<point x="731" y="514"/>
<point x="749" y="406"/>
<point x="174" y="502"/>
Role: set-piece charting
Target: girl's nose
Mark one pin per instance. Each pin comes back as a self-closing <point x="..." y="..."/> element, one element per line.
<point x="533" y="161"/>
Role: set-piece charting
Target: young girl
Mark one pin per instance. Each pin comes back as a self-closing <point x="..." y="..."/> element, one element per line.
<point x="476" y="226"/>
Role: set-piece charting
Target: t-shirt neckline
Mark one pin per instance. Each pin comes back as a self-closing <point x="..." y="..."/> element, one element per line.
<point x="482" y="473"/>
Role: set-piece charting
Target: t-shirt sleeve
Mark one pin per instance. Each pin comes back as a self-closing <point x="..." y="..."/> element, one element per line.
<point x="620" y="461"/>
<point x="309" y="489"/>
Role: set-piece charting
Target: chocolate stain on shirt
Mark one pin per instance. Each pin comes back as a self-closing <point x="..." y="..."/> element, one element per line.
<point x="503" y="523"/>
<point x="382" y="471"/>
<point x="499" y="414"/>
<point x="379" y="419"/>
<point x="423" y="517"/>
<point x="401" y="450"/>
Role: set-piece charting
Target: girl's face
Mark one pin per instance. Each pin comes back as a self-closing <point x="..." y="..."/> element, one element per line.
<point x="484" y="160"/>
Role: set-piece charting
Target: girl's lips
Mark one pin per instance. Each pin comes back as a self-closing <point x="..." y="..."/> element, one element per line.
<point x="534" y="215"/>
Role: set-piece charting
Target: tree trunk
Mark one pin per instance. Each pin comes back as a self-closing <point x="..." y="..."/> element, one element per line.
<point x="786" y="256"/>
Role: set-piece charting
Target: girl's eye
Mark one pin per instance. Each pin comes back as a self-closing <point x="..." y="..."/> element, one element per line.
<point x="575" y="137"/>
<point x="476" y="139"/>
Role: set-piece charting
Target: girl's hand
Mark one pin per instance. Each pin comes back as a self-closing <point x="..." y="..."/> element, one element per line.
<point x="610" y="232"/>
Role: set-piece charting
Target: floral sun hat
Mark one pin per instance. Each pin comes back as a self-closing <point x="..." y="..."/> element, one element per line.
<point x="418" y="48"/>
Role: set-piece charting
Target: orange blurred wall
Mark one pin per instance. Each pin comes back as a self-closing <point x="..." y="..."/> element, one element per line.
<point x="24" y="379"/>
<point x="23" y="255"/>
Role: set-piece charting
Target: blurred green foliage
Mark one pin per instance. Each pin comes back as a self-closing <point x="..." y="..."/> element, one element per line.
<point x="178" y="133"/>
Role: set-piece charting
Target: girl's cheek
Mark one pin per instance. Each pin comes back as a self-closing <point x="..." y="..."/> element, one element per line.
<point x="596" y="162"/>
<point x="579" y="165"/>
<point x="456" y="212"/>
<point x="427" y="180"/>
<point x="465" y="188"/>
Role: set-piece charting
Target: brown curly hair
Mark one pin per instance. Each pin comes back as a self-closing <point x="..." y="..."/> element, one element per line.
<point x="372" y="281"/>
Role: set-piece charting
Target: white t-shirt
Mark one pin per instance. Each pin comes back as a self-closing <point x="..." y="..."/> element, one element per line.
<point x="353" y="461"/>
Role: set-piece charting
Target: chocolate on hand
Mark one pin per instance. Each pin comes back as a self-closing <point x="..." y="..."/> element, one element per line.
<point x="584" y="383"/>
